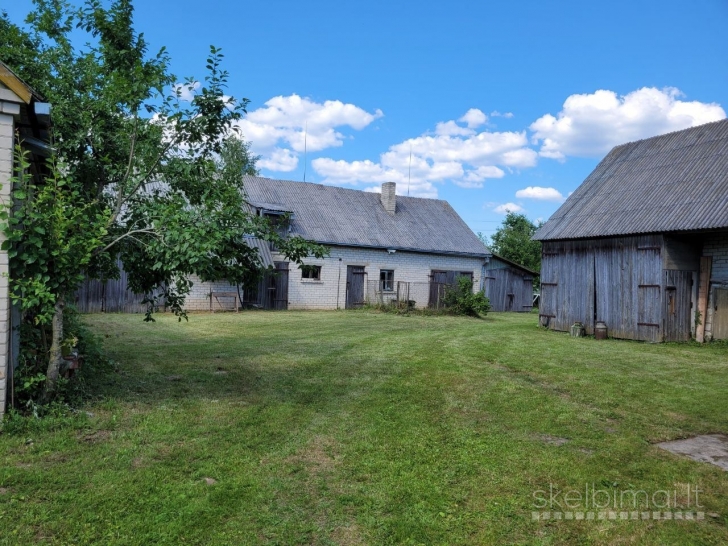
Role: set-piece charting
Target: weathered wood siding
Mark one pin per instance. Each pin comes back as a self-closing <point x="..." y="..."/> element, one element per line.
<point x="509" y="289"/>
<point x="111" y="296"/>
<point x="617" y="280"/>
<point x="567" y="285"/>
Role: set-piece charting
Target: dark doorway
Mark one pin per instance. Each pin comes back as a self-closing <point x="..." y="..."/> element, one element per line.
<point x="354" y="286"/>
<point x="276" y="287"/>
<point x="440" y="280"/>
<point x="677" y="305"/>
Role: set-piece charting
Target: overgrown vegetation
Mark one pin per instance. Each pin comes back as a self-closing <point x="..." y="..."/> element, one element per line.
<point x="29" y="378"/>
<point x="148" y="169"/>
<point x="365" y="428"/>
<point x="458" y="300"/>
<point x="461" y="300"/>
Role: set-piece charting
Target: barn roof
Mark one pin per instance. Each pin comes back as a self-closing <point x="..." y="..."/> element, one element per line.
<point x="340" y="216"/>
<point x="672" y="182"/>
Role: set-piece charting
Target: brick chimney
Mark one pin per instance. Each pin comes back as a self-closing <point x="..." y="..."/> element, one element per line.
<point x="389" y="197"/>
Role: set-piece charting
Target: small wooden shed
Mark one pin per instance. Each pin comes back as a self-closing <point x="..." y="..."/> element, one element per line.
<point x="642" y="244"/>
<point x="508" y="285"/>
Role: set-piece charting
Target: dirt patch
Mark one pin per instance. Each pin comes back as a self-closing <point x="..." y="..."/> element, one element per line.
<point x="319" y="455"/>
<point x="209" y="481"/>
<point x="552" y="440"/>
<point x="4" y="490"/>
<point x="95" y="436"/>
<point x="710" y="448"/>
<point x="347" y="535"/>
<point x="174" y="378"/>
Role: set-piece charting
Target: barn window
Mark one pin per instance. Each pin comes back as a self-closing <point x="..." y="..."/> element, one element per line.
<point x="311" y="272"/>
<point x="386" y="280"/>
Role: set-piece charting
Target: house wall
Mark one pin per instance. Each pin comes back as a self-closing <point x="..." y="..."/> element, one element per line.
<point x="7" y="132"/>
<point x="330" y="291"/>
<point x="716" y="246"/>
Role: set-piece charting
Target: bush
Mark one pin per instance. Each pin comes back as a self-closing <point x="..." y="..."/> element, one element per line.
<point x="30" y="375"/>
<point x="461" y="300"/>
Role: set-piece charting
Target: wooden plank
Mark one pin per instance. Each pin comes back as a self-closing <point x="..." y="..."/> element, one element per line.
<point x="720" y="315"/>
<point x="15" y="84"/>
<point x="706" y="264"/>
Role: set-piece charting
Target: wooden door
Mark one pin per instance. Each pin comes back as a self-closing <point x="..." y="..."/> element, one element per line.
<point x="720" y="314"/>
<point x="275" y="286"/>
<point x="438" y="281"/>
<point x="355" y="286"/>
<point x="678" y="288"/>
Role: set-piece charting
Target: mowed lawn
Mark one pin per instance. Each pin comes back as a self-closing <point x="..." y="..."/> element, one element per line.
<point x="366" y="428"/>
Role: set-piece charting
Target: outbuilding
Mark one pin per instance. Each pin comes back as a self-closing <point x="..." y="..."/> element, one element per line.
<point x="642" y="244"/>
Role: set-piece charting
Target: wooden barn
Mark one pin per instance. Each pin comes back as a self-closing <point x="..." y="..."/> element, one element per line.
<point x="642" y="244"/>
<point x="508" y="285"/>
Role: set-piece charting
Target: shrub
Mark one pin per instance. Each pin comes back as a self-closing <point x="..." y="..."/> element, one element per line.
<point x="29" y="377"/>
<point x="461" y="300"/>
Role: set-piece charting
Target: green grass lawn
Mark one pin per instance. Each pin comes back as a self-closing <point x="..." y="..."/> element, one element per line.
<point x="365" y="428"/>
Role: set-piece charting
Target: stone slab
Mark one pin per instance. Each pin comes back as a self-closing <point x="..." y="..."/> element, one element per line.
<point x="710" y="448"/>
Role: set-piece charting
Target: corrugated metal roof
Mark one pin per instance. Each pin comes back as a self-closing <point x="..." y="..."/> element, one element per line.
<point x="340" y="216"/>
<point x="672" y="182"/>
<point x="266" y="258"/>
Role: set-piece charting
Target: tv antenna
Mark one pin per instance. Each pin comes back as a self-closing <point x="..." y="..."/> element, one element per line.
<point x="409" y="170"/>
<point x="305" y="150"/>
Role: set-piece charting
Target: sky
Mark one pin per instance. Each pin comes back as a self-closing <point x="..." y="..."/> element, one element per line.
<point x="492" y="106"/>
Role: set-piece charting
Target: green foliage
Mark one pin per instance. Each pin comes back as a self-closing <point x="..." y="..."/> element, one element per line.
<point x="30" y="376"/>
<point x="51" y="234"/>
<point x="512" y="241"/>
<point x="147" y="169"/>
<point x="461" y="300"/>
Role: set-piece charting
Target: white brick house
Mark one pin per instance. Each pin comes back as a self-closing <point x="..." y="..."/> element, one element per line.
<point x="382" y="247"/>
<point x="23" y="116"/>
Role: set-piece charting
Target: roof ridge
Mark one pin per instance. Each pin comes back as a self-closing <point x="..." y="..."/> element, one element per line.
<point x="662" y="135"/>
<point x="342" y="188"/>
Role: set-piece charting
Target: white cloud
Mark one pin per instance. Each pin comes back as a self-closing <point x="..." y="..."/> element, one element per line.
<point x="505" y="208"/>
<point x="450" y="128"/>
<point x="497" y="114"/>
<point x="539" y="193"/>
<point x="279" y="159"/>
<point x="285" y="126"/>
<point x="186" y="91"/>
<point x="590" y="125"/>
<point x="454" y="153"/>
<point x="474" y="118"/>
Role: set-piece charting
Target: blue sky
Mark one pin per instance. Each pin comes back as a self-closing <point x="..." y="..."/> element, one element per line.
<point x="502" y="104"/>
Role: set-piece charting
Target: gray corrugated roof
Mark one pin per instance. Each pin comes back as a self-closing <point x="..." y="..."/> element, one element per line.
<point x="673" y="182"/>
<point x="266" y="258"/>
<point x="340" y="216"/>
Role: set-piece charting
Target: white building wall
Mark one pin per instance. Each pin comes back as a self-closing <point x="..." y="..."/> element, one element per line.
<point x="330" y="291"/>
<point x="7" y="131"/>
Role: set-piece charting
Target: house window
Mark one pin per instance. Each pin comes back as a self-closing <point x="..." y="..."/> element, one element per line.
<point x="311" y="272"/>
<point x="386" y="280"/>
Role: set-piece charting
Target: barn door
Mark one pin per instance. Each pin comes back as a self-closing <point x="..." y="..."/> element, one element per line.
<point x="720" y="314"/>
<point x="354" y="286"/>
<point x="678" y="288"/>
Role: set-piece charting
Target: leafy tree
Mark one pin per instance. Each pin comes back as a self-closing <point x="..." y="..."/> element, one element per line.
<point x="139" y="173"/>
<point x="512" y="241"/>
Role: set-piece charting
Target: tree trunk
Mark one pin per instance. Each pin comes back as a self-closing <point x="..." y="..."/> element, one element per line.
<point x="55" y="358"/>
